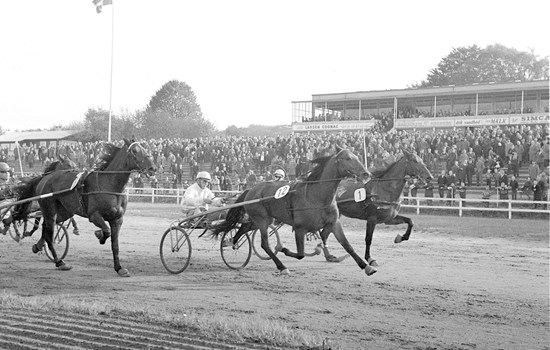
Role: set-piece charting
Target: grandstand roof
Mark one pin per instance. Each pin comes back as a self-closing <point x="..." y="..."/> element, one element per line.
<point x="435" y="90"/>
<point x="23" y="136"/>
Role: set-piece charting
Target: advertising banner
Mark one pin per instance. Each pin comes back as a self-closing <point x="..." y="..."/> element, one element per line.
<point x="332" y="126"/>
<point x="530" y="119"/>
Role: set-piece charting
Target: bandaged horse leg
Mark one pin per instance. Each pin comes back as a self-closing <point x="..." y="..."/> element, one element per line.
<point x="339" y="234"/>
<point x="300" y="236"/>
<point x="324" y="247"/>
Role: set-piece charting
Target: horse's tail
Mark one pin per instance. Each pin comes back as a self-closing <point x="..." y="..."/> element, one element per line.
<point x="233" y="217"/>
<point x="25" y="189"/>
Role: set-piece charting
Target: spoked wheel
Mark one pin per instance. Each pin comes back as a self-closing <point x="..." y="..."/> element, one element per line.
<point x="60" y="242"/>
<point x="235" y="255"/>
<point x="175" y="249"/>
<point x="274" y="240"/>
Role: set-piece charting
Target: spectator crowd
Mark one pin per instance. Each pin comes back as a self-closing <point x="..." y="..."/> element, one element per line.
<point x="481" y="156"/>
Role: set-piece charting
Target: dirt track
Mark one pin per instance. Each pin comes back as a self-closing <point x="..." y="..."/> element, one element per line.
<point x="467" y="283"/>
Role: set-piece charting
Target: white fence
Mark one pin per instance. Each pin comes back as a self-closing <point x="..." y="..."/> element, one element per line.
<point x="420" y="204"/>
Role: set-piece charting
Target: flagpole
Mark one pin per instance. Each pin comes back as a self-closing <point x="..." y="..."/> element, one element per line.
<point x="111" y="82"/>
<point x="19" y="156"/>
<point x="365" y="148"/>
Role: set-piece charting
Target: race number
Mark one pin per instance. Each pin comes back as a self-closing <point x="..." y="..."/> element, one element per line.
<point x="282" y="191"/>
<point x="77" y="178"/>
<point x="360" y="195"/>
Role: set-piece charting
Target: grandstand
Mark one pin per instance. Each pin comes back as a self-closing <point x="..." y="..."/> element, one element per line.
<point x="438" y="107"/>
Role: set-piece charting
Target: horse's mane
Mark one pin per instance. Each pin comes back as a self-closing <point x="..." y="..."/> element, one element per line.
<point x="109" y="153"/>
<point x="316" y="172"/>
<point x="52" y="166"/>
<point x="378" y="173"/>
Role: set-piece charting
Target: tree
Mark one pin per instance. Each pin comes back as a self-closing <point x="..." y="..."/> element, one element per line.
<point x="177" y="99"/>
<point x="174" y="112"/>
<point x="495" y="63"/>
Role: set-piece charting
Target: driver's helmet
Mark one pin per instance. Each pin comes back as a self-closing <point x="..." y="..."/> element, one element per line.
<point x="204" y="175"/>
<point x="4" y="167"/>
<point x="279" y="174"/>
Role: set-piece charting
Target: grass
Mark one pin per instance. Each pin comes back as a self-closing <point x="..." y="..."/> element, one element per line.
<point x="237" y="329"/>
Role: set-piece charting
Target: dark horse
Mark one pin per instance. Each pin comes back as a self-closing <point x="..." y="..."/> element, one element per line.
<point x="97" y="195"/>
<point x="21" y="211"/>
<point x="309" y="206"/>
<point x="382" y="202"/>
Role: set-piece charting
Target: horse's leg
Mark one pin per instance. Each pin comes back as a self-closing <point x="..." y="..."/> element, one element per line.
<point x="265" y="245"/>
<point x="402" y="220"/>
<point x="75" y="227"/>
<point x="299" y="236"/>
<point x="105" y="231"/>
<point x="368" y="241"/>
<point x="47" y="235"/>
<point x="324" y="246"/>
<point x="339" y="234"/>
<point x="115" y="229"/>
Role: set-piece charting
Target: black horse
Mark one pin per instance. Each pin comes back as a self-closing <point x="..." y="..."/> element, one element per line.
<point x="309" y="206"/>
<point x="382" y="203"/>
<point x="21" y="211"/>
<point x="97" y="195"/>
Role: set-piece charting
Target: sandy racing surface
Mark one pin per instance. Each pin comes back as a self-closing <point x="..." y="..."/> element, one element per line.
<point x="459" y="283"/>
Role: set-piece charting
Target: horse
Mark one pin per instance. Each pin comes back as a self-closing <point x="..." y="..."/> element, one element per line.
<point x="382" y="203"/>
<point x="21" y="211"/>
<point x="308" y="206"/>
<point x="97" y="195"/>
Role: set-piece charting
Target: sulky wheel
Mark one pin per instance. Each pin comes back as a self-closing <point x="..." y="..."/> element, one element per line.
<point x="235" y="255"/>
<point x="60" y="242"/>
<point x="274" y="240"/>
<point x="175" y="249"/>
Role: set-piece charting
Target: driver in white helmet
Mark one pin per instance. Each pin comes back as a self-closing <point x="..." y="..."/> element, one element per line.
<point x="198" y="196"/>
<point x="6" y="195"/>
<point x="279" y="175"/>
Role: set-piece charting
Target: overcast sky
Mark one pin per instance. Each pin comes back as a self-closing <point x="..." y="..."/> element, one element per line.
<point x="245" y="60"/>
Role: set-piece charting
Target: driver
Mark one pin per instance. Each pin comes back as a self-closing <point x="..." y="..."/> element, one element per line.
<point x="198" y="196"/>
<point x="6" y="195"/>
<point x="279" y="175"/>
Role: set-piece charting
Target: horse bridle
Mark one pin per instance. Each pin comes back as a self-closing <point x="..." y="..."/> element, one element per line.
<point x="131" y="153"/>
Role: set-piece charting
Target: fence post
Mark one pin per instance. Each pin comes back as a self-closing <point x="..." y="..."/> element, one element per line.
<point x="152" y="195"/>
<point x="417" y="201"/>
<point x="509" y="209"/>
<point x="460" y="206"/>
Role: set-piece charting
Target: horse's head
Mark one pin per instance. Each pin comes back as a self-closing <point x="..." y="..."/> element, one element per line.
<point x="349" y="165"/>
<point x="141" y="157"/>
<point x="416" y="167"/>
<point x="65" y="163"/>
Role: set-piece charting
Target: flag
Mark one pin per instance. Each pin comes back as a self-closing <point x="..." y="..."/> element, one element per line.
<point x="100" y="3"/>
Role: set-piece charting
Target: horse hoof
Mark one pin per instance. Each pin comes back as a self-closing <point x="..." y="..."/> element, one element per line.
<point x="372" y="262"/>
<point x="35" y="249"/>
<point x="98" y="234"/>
<point x="370" y="270"/>
<point x="123" y="273"/>
<point x="285" y="272"/>
<point x="64" y="267"/>
<point x="398" y="239"/>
